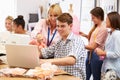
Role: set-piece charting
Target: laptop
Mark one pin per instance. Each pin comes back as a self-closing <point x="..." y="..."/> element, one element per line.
<point x="25" y="56"/>
<point x="18" y="39"/>
<point x="3" y="40"/>
<point x="10" y="38"/>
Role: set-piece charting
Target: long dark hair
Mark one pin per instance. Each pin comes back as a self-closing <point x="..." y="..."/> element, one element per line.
<point x="114" y="19"/>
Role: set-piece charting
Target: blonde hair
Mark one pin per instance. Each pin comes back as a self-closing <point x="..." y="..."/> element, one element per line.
<point x="9" y="18"/>
<point x="56" y="9"/>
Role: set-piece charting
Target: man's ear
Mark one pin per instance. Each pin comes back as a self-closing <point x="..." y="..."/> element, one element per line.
<point x="71" y="25"/>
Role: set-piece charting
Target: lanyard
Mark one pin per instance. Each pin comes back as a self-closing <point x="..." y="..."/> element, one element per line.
<point x="49" y="41"/>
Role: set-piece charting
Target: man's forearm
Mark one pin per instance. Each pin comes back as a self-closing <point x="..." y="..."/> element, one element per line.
<point x="63" y="61"/>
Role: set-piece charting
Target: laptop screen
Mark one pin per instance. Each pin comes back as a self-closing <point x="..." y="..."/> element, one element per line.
<point x="18" y="39"/>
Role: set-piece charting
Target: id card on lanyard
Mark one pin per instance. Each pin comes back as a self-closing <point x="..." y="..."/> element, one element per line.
<point x="48" y="37"/>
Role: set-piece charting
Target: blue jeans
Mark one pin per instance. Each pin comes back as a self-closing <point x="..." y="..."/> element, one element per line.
<point x="93" y="66"/>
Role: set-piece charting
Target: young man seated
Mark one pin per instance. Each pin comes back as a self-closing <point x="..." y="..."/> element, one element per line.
<point x="69" y="52"/>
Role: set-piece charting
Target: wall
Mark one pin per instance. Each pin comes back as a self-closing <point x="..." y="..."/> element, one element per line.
<point x="65" y="5"/>
<point x="32" y="6"/>
<point x="24" y="7"/>
<point x="18" y="7"/>
<point x="7" y="7"/>
<point x="76" y="7"/>
<point x="119" y="6"/>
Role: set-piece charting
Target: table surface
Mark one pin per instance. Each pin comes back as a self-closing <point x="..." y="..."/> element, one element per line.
<point x="58" y="77"/>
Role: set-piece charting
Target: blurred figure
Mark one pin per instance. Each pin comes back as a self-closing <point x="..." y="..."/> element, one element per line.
<point x="9" y="23"/>
<point x="19" y="25"/>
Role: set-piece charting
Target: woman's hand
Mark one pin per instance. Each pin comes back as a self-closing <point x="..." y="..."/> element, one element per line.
<point x="83" y="34"/>
<point x="100" y="52"/>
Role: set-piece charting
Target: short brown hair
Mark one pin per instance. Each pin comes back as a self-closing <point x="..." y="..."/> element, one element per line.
<point x="65" y="17"/>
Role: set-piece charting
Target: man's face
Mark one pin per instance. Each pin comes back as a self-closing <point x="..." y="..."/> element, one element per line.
<point x="63" y="28"/>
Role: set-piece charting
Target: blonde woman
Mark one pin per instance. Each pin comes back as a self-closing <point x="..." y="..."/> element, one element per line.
<point x="8" y="23"/>
<point x="47" y="27"/>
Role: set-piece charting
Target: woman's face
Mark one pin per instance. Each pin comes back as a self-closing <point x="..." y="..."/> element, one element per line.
<point x="8" y="25"/>
<point x="95" y="19"/>
<point x="52" y="18"/>
<point x="108" y="23"/>
<point x="15" y="28"/>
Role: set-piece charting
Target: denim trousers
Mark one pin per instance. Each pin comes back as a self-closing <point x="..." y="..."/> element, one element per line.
<point x="93" y="66"/>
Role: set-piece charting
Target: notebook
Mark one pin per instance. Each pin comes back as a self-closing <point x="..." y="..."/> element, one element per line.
<point x="25" y="56"/>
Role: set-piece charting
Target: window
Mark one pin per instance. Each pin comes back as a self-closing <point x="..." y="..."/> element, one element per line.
<point x="86" y="7"/>
<point x="109" y="6"/>
<point x="85" y="19"/>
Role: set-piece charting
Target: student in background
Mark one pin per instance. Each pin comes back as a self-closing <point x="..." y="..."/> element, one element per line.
<point x="112" y="46"/>
<point x="47" y="27"/>
<point x="19" y="25"/>
<point x="9" y="23"/>
<point x="97" y="37"/>
<point x="69" y="52"/>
